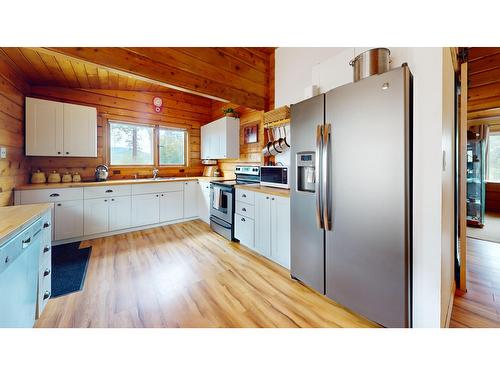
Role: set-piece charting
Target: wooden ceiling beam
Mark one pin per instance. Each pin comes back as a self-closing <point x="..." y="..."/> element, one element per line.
<point x="143" y="67"/>
<point x="486" y="113"/>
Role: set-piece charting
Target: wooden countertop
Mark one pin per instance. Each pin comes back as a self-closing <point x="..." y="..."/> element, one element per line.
<point x="113" y="182"/>
<point x="13" y="218"/>
<point x="265" y="190"/>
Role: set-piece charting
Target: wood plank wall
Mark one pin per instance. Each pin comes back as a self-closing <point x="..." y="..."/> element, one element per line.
<point x="250" y="154"/>
<point x="180" y="110"/>
<point x="14" y="170"/>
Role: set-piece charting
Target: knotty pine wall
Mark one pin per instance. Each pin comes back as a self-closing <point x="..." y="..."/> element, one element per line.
<point x="180" y="110"/>
<point x="250" y="154"/>
<point x="14" y="170"/>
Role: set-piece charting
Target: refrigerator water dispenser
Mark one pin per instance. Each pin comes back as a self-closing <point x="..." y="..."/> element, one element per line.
<point x="306" y="172"/>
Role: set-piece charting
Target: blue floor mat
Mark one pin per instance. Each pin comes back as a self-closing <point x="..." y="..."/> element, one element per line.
<point x="69" y="268"/>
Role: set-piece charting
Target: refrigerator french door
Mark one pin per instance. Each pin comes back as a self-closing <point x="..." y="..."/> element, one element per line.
<point x="351" y="231"/>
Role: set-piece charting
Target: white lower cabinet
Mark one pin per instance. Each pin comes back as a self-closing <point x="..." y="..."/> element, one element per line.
<point x="68" y="219"/>
<point x="190" y="199"/>
<point x="95" y="216"/>
<point x="263" y="224"/>
<point x="280" y="230"/>
<point x="171" y="206"/>
<point x="145" y="209"/>
<point x="204" y="201"/>
<point x="120" y="213"/>
<point x="244" y="230"/>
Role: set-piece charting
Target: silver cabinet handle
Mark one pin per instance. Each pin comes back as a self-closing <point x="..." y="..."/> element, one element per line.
<point x="26" y="243"/>
<point x="46" y="295"/>
<point x="318" y="157"/>
<point x="46" y="272"/>
<point x="54" y="195"/>
<point x="327" y="219"/>
<point x="46" y="224"/>
<point x="46" y="249"/>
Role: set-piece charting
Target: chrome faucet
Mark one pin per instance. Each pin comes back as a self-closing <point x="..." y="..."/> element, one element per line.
<point x="155" y="172"/>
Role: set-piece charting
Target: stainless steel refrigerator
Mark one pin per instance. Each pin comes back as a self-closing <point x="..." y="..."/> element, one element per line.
<point x="351" y="196"/>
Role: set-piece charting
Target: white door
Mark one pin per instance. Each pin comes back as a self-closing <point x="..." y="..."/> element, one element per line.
<point x="204" y="201"/>
<point x="120" y="213"/>
<point x="190" y="199"/>
<point x="95" y="216"/>
<point x="280" y="230"/>
<point x="263" y="224"/>
<point x="80" y="130"/>
<point x="44" y="127"/>
<point x="68" y="219"/>
<point x="145" y="209"/>
<point x="171" y="206"/>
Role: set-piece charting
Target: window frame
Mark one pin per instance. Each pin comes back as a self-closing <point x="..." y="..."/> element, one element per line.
<point x="156" y="145"/>
<point x="495" y="133"/>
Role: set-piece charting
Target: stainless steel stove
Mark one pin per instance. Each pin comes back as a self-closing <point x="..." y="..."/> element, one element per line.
<point x="222" y="199"/>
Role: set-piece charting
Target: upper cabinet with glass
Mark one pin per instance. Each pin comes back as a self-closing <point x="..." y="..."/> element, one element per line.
<point x="60" y="129"/>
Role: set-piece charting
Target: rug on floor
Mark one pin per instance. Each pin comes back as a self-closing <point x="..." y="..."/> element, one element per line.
<point x="490" y="231"/>
<point x="69" y="268"/>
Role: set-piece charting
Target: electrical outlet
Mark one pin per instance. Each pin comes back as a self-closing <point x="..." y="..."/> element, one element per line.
<point x="3" y="152"/>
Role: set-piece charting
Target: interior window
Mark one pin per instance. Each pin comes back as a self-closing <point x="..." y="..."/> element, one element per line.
<point x="172" y="146"/>
<point x="131" y="144"/>
<point x="494" y="157"/>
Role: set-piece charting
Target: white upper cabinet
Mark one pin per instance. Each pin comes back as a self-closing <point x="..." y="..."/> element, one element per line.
<point x="60" y="129"/>
<point x="220" y="139"/>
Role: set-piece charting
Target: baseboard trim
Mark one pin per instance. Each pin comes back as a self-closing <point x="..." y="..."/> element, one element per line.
<point x="450" y="305"/>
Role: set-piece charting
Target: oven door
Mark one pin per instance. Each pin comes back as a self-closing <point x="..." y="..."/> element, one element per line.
<point x="223" y="210"/>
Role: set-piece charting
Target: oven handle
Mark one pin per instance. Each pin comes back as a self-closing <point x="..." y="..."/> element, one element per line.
<point x="220" y="222"/>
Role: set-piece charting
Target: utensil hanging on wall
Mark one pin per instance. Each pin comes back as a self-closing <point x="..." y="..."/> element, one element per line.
<point x="274" y="149"/>
<point x="265" y="150"/>
<point x="286" y="141"/>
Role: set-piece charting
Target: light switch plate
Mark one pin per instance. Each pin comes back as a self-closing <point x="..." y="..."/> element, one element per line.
<point x="3" y="152"/>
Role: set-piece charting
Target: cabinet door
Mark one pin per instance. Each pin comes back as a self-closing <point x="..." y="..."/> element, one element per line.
<point x="68" y="219"/>
<point x="171" y="206"/>
<point x="120" y="213"/>
<point x="44" y="127"/>
<point x="204" y="201"/>
<point x="244" y="231"/>
<point x="95" y="216"/>
<point x="204" y="133"/>
<point x="263" y="224"/>
<point x="280" y="230"/>
<point x="190" y="199"/>
<point x="145" y="209"/>
<point x="80" y="130"/>
<point x="219" y="139"/>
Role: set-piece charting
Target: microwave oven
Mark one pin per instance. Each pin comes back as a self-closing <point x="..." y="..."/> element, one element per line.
<point x="275" y="176"/>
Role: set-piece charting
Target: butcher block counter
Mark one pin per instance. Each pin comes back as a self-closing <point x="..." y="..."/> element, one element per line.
<point x="15" y="218"/>
<point x="114" y="182"/>
<point x="265" y="190"/>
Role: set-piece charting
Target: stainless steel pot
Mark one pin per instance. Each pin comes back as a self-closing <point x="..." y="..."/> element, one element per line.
<point x="368" y="63"/>
<point x="101" y="173"/>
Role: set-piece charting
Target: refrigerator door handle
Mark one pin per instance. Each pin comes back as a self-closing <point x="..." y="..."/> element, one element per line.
<point x="327" y="196"/>
<point x="318" y="172"/>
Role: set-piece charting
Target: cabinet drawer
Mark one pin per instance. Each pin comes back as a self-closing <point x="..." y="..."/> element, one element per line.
<point x="106" y="191"/>
<point x="244" y="230"/>
<point x="156" y="187"/>
<point x="51" y="195"/>
<point x="245" y="209"/>
<point x="245" y="196"/>
<point x="44" y="292"/>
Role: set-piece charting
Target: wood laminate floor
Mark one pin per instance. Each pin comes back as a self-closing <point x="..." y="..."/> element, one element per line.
<point x="480" y="306"/>
<point x="185" y="275"/>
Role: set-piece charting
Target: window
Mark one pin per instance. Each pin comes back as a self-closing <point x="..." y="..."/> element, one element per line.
<point x="172" y="145"/>
<point x="133" y="144"/>
<point x="494" y="156"/>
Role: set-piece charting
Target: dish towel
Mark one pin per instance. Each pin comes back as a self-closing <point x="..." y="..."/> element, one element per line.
<point x="217" y="198"/>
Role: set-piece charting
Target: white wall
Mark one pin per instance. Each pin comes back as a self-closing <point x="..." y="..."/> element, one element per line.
<point x="298" y="68"/>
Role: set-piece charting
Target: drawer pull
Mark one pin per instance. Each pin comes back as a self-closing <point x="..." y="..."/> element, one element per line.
<point x="244" y="209"/>
<point x="109" y="191"/>
<point x="59" y="204"/>
<point x="243" y="195"/>
<point x="267" y="197"/>
<point x="272" y="199"/>
<point x="46" y="295"/>
<point x="54" y="195"/>
<point x="105" y="200"/>
<point x="112" y="199"/>
<point x="46" y="272"/>
<point x="6" y="259"/>
<point x="46" y="224"/>
<point x="26" y="243"/>
<point x="243" y="219"/>
<point x="46" y="249"/>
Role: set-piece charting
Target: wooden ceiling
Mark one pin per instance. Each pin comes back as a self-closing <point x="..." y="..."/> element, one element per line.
<point x="238" y="75"/>
<point x="484" y="85"/>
